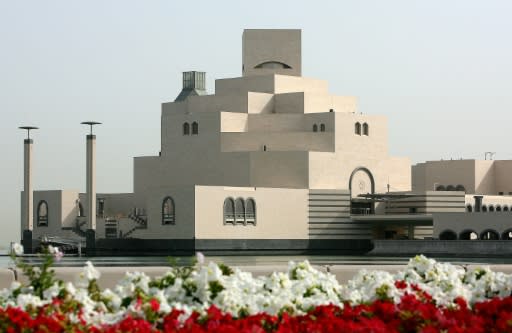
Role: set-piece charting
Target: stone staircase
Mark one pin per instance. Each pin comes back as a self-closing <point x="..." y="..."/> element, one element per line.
<point x="141" y="223"/>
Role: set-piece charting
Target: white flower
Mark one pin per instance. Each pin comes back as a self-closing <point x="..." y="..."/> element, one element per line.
<point x="55" y="252"/>
<point x="17" y="248"/>
<point x="112" y="298"/>
<point x="52" y="292"/>
<point x="24" y="300"/>
<point x="200" y="258"/>
<point x="70" y="288"/>
<point x="88" y="274"/>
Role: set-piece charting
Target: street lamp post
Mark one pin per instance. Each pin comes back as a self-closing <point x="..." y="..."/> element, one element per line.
<point x="28" y="199"/>
<point x="91" y="188"/>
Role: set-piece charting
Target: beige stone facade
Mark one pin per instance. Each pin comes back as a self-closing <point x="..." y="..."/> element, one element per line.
<point x="271" y="141"/>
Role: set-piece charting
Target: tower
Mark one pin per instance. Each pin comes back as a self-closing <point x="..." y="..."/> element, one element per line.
<point x="267" y="51"/>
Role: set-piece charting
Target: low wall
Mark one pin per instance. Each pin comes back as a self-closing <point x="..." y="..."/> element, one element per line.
<point x="7" y="276"/>
<point x="134" y="246"/>
<point x="455" y="248"/>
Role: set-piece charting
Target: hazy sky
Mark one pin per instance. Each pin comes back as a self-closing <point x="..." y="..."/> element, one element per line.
<point x="441" y="70"/>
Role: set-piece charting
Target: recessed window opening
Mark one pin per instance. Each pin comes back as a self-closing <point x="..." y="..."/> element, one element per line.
<point x="229" y="211"/>
<point x="42" y="214"/>
<point x="168" y="211"/>
<point x="358" y="128"/>
<point x="186" y="129"/>
<point x="250" y="212"/>
<point x="366" y="129"/>
<point x="239" y="211"/>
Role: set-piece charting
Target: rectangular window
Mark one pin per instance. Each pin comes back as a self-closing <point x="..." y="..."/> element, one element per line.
<point x="500" y="193"/>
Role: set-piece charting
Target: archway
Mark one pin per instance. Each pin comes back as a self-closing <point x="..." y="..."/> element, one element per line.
<point x="468" y="234"/>
<point x="507" y="235"/>
<point x="448" y="235"/>
<point x="361" y="182"/>
<point x="489" y="234"/>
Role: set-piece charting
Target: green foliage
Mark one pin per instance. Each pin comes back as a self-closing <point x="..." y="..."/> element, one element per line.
<point x="215" y="288"/>
<point x="42" y="277"/>
<point x="226" y="270"/>
<point x="382" y="292"/>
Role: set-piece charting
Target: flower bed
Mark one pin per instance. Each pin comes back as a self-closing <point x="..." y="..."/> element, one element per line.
<point x="426" y="296"/>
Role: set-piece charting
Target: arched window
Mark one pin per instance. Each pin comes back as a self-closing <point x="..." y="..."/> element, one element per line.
<point x="229" y="211"/>
<point x="80" y="209"/>
<point x="489" y="234"/>
<point x="491" y="208"/>
<point x="366" y="129"/>
<point x="186" y="129"/>
<point x="448" y="235"/>
<point x="484" y="208"/>
<point x="469" y="208"/>
<point x="322" y="127"/>
<point x="505" y="208"/>
<point x="460" y="188"/>
<point x="440" y="188"/>
<point x="42" y="214"/>
<point x="498" y="208"/>
<point x="239" y="211"/>
<point x="450" y="188"/>
<point x="468" y="235"/>
<point x="250" y="212"/>
<point x="195" y="128"/>
<point x="315" y="128"/>
<point x="168" y="211"/>
<point x="273" y="65"/>
<point x="358" y="128"/>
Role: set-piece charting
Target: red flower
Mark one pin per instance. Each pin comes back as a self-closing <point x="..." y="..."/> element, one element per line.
<point x="155" y="305"/>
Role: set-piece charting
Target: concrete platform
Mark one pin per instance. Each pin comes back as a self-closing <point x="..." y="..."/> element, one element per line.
<point x="109" y="275"/>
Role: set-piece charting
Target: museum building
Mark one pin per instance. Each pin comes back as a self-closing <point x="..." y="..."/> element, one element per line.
<point x="271" y="161"/>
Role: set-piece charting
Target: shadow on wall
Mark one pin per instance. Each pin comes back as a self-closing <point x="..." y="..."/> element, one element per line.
<point x="487" y="181"/>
